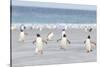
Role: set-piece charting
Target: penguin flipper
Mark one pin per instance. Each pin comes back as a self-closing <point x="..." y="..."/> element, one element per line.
<point x="58" y="40"/>
<point x="68" y="41"/>
<point x="84" y="42"/>
<point x="34" y="41"/>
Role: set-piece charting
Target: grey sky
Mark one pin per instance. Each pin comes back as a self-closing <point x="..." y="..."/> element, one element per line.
<point x="53" y="5"/>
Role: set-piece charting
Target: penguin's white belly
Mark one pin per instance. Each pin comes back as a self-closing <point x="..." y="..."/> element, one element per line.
<point x="63" y="43"/>
<point x="39" y="44"/>
<point x="40" y="28"/>
<point x="88" y="46"/>
<point x="22" y="36"/>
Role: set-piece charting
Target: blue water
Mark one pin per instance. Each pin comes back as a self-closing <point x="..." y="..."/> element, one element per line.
<point x="23" y="14"/>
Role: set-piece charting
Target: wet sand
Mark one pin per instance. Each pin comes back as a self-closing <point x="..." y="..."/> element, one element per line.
<point x="23" y="54"/>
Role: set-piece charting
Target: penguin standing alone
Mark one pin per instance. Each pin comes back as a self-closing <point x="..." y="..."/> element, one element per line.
<point x="89" y="45"/>
<point x="22" y="33"/>
<point x="22" y="36"/>
<point x="39" y="44"/>
<point x="64" y="42"/>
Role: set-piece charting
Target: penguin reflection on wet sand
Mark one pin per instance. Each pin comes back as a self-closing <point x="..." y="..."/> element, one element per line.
<point x="64" y="42"/>
<point x="89" y="45"/>
<point x="39" y="44"/>
<point x="50" y="36"/>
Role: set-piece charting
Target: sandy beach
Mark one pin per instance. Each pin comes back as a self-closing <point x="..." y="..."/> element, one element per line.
<point x="23" y="53"/>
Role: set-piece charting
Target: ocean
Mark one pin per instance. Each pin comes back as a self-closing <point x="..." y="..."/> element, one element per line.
<point x="44" y="15"/>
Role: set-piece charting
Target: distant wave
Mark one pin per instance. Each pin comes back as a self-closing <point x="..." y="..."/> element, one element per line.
<point x="50" y="15"/>
<point x="57" y="25"/>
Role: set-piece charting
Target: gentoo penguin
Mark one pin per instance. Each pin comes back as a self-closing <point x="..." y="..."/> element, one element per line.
<point x="50" y="36"/>
<point x="88" y="44"/>
<point x="88" y="29"/>
<point x="66" y="27"/>
<point x="63" y="32"/>
<point x="40" y="28"/>
<point x="21" y="35"/>
<point x="39" y="44"/>
<point x="64" y="42"/>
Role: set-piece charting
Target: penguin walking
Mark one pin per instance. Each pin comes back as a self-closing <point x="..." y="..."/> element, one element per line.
<point x="88" y="29"/>
<point x="39" y="44"/>
<point x="22" y="33"/>
<point x="89" y="45"/>
<point x="40" y="28"/>
<point x="21" y="36"/>
<point x="64" y="42"/>
<point x="50" y="36"/>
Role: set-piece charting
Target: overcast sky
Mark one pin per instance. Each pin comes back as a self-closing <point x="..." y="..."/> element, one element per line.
<point x="53" y="5"/>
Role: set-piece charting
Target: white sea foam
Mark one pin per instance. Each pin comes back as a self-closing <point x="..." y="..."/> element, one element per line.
<point x="58" y="25"/>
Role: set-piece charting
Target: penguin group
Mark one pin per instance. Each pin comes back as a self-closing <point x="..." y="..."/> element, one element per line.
<point x="64" y="42"/>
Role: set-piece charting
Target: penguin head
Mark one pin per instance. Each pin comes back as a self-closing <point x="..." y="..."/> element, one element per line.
<point x="89" y="37"/>
<point x="38" y="35"/>
<point x="64" y="35"/>
<point x="22" y="25"/>
<point x="90" y="29"/>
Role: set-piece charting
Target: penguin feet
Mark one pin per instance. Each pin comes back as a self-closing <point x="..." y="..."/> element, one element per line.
<point x="88" y="51"/>
<point x="91" y="50"/>
<point x="63" y="48"/>
<point x="40" y="52"/>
